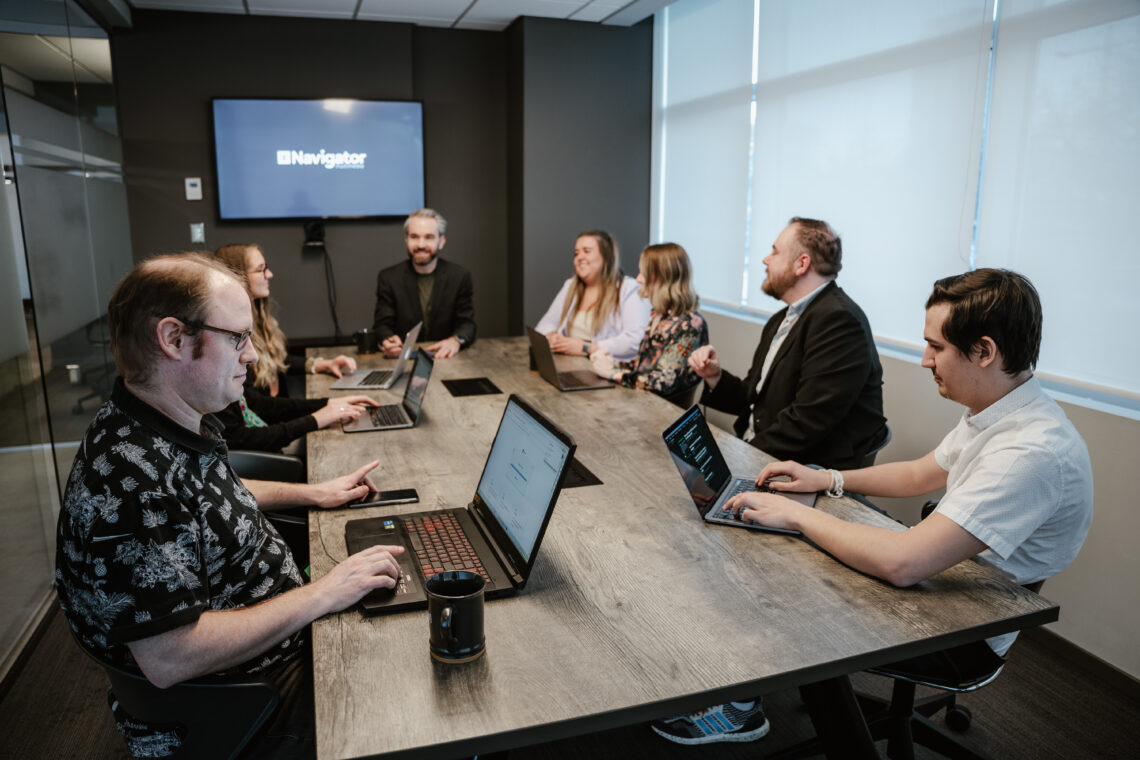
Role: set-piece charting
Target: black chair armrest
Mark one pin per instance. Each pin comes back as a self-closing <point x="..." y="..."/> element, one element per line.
<point x="261" y="465"/>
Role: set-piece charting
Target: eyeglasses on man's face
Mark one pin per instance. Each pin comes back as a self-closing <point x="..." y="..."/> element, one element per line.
<point x="238" y="339"/>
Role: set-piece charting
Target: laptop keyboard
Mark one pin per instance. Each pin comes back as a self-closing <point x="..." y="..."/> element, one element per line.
<point x="571" y="380"/>
<point x="388" y="415"/>
<point x="376" y="377"/>
<point x="441" y="545"/>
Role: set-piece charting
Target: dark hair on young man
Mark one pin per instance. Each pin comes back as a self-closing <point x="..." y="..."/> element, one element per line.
<point x="997" y="303"/>
<point x="822" y="244"/>
<point x="175" y="285"/>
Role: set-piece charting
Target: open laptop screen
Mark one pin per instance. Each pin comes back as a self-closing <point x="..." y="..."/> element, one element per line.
<point x="521" y="475"/>
<point x="417" y="384"/>
<point x="691" y="444"/>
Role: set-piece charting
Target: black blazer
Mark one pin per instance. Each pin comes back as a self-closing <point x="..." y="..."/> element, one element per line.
<point x="452" y="303"/>
<point x="822" y="402"/>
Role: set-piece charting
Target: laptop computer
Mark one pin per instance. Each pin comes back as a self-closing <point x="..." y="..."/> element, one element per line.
<point x="706" y="474"/>
<point x="405" y="414"/>
<point x="380" y="379"/>
<point x="502" y="527"/>
<point x="570" y="380"/>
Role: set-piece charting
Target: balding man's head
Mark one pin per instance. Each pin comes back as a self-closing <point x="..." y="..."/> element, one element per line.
<point x="177" y="285"/>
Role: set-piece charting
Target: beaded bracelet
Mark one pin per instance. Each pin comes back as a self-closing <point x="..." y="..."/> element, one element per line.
<point x="835" y="489"/>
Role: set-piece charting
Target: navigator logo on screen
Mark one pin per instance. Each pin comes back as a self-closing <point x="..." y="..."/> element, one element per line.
<point x="330" y="160"/>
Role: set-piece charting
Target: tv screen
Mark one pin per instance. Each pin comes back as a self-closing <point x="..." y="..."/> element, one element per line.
<point x="318" y="159"/>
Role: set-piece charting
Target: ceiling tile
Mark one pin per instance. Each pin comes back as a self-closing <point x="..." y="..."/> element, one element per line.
<point x="307" y="8"/>
<point x="200" y="6"/>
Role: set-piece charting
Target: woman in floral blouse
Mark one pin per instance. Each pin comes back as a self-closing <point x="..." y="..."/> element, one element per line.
<point x="675" y="329"/>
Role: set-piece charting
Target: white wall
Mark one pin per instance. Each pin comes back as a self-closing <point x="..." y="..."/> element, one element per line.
<point x="1100" y="603"/>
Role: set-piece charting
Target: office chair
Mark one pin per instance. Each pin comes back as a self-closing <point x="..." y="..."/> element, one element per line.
<point x="292" y="524"/>
<point x="684" y="398"/>
<point x="869" y="457"/>
<point x="219" y="717"/>
<point x="903" y="720"/>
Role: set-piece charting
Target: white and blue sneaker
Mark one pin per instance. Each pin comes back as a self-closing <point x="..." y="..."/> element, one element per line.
<point x="730" y="722"/>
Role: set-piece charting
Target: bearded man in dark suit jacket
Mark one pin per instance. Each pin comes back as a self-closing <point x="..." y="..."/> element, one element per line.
<point x="814" y="392"/>
<point x="425" y="288"/>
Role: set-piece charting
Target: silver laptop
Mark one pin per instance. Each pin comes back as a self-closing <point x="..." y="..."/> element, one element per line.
<point x="706" y="474"/>
<point x="405" y="414"/>
<point x="570" y="380"/>
<point x="380" y="379"/>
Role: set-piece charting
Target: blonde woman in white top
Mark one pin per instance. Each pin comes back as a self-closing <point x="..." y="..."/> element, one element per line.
<point x="597" y="308"/>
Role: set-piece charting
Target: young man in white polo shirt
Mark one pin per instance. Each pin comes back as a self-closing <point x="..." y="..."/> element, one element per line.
<point x="1018" y="481"/>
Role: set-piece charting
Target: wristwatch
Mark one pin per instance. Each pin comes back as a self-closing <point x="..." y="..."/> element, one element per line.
<point x="586" y="347"/>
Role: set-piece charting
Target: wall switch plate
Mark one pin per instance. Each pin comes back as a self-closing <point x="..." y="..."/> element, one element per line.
<point x="193" y="188"/>
<point x="198" y="232"/>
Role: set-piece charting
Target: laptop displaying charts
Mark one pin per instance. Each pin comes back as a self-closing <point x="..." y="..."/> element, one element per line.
<point x="405" y="414"/>
<point x="380" y="379"/>
<point x="572" y="380"/>
<point x="706" y="474"/>
<point x="496" y="535"/>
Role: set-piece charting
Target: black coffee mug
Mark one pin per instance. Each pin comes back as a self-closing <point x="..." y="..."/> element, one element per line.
<point x="455" y="616"/>
<point x="367" y="342"/>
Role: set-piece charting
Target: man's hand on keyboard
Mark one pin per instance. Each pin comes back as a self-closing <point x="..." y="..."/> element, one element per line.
<point x="769" y="509"/>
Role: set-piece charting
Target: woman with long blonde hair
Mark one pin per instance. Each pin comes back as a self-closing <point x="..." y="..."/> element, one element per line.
<point x="676" y="328"/>
<point x="264" y="418"/>
<point x="598" y="309"/>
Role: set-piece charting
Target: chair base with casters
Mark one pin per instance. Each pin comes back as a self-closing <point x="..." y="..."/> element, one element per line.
<point x="904" y="720"/>
<point x="219" y="716"/>
<point x="292" y="524"/>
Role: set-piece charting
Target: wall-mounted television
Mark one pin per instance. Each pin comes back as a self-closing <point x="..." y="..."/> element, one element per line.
<point x="318" y="159"/>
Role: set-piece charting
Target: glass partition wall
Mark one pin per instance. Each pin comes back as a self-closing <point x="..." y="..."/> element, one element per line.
<point x="64" y="243"/>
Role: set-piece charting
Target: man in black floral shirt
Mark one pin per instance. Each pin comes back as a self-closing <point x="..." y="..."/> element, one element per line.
<point x="165" y="563"/>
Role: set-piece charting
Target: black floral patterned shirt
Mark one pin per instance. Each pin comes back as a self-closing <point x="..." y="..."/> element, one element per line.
<point x="662" y="362"/>
<point x="156" y="529"/>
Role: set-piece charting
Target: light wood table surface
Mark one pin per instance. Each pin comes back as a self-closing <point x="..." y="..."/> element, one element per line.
<point x="636" y="608"/>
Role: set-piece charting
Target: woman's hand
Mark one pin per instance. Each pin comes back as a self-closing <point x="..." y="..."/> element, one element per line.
<point x="602" y="363"/>
<point x="560" y="344"/>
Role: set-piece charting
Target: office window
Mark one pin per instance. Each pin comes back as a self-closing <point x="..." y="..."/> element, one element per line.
<point x="874" y="117"/>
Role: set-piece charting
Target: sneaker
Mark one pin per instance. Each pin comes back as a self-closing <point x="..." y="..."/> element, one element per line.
<point x="719" y="723"/>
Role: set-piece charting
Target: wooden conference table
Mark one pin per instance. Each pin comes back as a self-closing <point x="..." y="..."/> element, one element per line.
<point x="636" y="608"/>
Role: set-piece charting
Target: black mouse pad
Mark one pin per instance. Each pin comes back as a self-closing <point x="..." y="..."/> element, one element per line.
<point x="471" y="386"/>
<point x="578" y="475"/>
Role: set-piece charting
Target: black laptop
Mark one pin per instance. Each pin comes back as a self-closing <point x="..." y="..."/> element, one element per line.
<point x="497" y="535"/>
<point x="571" y="380"/>
<point x="706" y="474"/>
<point x="405" y="414"/>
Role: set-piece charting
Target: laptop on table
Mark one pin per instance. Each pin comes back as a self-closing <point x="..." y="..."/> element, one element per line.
<point x="496" y="535"/>
<point x="405" y="414"/>
<point x="570" y="380"/>
<point x="706" y="473"/>
<point x="381" y="379"/>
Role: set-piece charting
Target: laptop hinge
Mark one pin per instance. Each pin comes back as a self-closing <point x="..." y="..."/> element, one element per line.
<point x="512" y="571"/>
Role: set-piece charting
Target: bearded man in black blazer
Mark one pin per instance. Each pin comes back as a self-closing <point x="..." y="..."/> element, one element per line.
<point x="425" y="288"/>
<point x="815" y="390"/>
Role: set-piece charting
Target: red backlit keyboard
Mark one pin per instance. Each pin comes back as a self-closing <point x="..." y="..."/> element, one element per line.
<point x="441" y="545"/>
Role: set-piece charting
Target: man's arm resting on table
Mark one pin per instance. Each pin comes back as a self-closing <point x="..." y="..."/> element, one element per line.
<point x="221" y="639"/>
<point x="901" y="558"/>
<point x="272" y="494"/>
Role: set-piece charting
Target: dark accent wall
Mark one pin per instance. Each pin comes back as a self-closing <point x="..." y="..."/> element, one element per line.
<point x="169" y="65"/>
<point x="530" y="136"/>
<point x="580" y="117"/>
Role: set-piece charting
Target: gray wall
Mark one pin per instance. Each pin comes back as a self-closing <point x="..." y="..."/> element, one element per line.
<point x="169" y="66"/>
<point x="580" y="116"/>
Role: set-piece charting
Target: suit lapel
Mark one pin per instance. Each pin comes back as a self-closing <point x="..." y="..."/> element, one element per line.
<point x="794" y="332"/>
